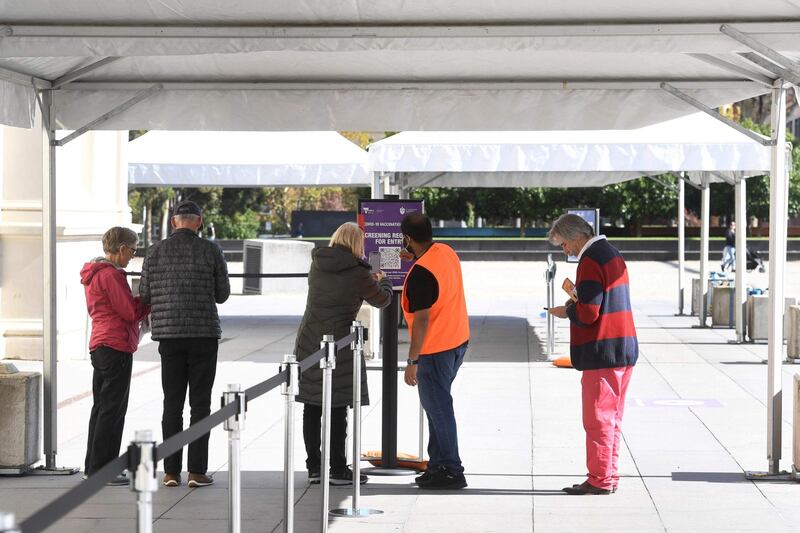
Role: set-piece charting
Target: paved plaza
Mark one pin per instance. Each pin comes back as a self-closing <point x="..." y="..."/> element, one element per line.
<point x="695" y="421"/>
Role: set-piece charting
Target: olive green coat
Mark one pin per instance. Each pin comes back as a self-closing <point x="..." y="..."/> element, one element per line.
<point x="338" y="283"/>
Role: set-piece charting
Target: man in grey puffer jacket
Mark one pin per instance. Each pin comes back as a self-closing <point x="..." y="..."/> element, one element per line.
<point x="184" y="277"/>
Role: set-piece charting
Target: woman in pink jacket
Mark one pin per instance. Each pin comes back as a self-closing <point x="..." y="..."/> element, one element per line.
<point x="116" y="314"/>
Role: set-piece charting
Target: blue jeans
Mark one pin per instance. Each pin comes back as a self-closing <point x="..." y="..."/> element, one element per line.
<point x="435" y="377"/>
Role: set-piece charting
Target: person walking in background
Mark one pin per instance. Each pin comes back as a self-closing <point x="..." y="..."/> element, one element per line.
<point x="729" y="252"/>
<point x="338" y="283"/>
<point x="184" y="277"/>
<point x="115" y="315"/>
<point x="603" y="345"/>
<point x="436" y="312"/>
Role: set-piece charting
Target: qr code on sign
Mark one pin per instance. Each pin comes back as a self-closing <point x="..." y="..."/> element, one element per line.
<point x="390" y="258"/>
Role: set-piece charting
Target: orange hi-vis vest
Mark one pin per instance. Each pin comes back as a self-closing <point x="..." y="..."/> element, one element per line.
<point x="448" y="323"/>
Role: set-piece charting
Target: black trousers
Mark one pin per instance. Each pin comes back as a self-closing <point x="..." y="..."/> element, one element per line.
<point x="312" y="429"/>
<point x="111" y="384"/>
<point x="187" y="363"/>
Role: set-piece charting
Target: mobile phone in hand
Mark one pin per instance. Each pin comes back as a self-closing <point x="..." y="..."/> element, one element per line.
<point x="375" y="261"/>
<point x="569" y="288"/>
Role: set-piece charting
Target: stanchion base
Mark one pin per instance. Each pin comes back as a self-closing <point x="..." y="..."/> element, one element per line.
<point x="54" y="471"/>
<point x="354" y="513"/>
<point x="755" y="475"/>
<point x="381" y="471"/>
<point x="15" y="471"/>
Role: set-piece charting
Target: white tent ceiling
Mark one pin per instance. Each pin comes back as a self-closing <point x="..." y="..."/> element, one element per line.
<point x="383" y="65"/>
<point x="246" y="159"/>
<point x="569" y="158"/>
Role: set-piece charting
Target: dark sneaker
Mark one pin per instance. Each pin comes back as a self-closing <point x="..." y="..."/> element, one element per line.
<point x="172" y="480"/>
<point x="118" y="481"/>
<point x="586" y="488"/>
<point x="313" y="477"/>
<point x="199" y="480"/>
<point x="424" y="477"/>
<point x="444" y="479"/>
<point x="345" y="477"/>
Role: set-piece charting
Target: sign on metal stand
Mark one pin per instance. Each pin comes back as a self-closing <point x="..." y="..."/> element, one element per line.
<point x="380" y="220"/>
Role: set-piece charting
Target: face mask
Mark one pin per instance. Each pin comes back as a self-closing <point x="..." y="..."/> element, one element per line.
<point x="407" y="247"/>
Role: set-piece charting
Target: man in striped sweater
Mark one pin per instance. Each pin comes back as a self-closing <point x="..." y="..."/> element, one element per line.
<point x="603" y="345"/>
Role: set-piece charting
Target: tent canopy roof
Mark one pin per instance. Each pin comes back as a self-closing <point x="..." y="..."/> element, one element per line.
<point x="383" y="66"/>
<point x="695" y="143"/>
<point x="246" y="159"/>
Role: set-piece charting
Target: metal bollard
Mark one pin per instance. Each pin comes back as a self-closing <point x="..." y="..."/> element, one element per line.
<point x="8" y="523"/>
<point x="234" y="426"/>
<point x="143" y="468"/>
<point x="327" y="364"/>
<point x="549" y="276"/>
<point x="289" y="390"/>
<point x="358" y="349"/>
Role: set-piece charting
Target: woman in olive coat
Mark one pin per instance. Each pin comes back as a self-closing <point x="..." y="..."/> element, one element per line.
<point x="338" y="282"/>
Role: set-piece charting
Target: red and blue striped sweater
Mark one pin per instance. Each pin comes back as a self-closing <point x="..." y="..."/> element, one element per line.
<point x="602" y="333"/>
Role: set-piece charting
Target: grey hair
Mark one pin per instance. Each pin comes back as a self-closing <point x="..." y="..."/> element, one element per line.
<point x="569" y="227"/>
<point x="119" y="236"/>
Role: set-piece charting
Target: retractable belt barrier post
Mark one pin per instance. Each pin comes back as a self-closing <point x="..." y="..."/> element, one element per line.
<point x="327" y="364"/>
<point x="289" y="391"/>
<point x="234" y="426"/>
<point x="142" y="456"/>
<point x="8" y="523"/>
<point x="358" y="349"/>
<point x="549" y="276"/>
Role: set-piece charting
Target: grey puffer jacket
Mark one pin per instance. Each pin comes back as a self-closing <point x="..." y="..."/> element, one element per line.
<point x="338" y="283"/>
<point x="184" y="277"/>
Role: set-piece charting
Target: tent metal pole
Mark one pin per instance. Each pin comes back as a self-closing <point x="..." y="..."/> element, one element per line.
<point x="121" y="108"/>
<point x="778" y="212"/>
<point x="740" y="289"/>
<point x="771" y="54"/>
<point x="81" y="72"/>
<point x="705" y="214"/>
<point x="49" y="304"/>
<point x="778" y="206"/>
<point x="681" y="245"/>
<point x="713" y="113"/>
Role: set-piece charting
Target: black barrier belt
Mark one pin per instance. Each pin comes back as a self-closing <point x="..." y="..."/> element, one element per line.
<point x="345" y="341"/>
<point x="58" y="508"/>
<point x="194" y="432"/>
<point x="312" y="360"/>
<point x="271" y="275"/>
<point x="265" y="386"/>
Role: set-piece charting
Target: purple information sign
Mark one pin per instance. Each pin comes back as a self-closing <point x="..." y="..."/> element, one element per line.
<point x="380" y="220"/>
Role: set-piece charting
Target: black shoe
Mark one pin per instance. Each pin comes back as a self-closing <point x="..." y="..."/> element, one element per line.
<point x="420" y="480"/>
<point x="613" y="487"/>
<point x="314" y="476"/>
<point x="119" y="481"/>
<point x="585" y="488"/>
<point x="444" y="479"/>
<point x="345" y="477"/>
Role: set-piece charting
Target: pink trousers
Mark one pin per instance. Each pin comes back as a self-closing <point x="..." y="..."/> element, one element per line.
<point x="603" y="394"/>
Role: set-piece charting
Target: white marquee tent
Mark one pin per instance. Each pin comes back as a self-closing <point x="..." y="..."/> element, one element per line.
<point x="580" y="158"/>
<point x="392" y="65"/>
<point x="246" y="159"/>
<point x="697" y="145"/>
